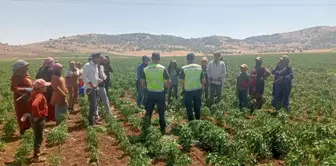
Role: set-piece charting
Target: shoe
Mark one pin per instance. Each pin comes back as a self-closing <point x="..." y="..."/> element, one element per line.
<point x="97" y="122"/>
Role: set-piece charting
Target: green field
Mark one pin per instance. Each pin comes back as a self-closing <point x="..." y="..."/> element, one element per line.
<point x="305" y="136"/>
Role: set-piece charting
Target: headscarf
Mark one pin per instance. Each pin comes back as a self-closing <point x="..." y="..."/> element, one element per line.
<point x="19" y="64"/>
<point x="48" y="62"/>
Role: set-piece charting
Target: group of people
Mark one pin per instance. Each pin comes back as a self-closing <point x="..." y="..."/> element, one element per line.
<point x="52" y="95"/>
<point x="154" y="80"/>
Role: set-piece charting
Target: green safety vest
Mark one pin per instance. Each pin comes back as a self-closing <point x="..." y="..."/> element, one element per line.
<point x="192" y="80"/>
<point x="154" y="77"/>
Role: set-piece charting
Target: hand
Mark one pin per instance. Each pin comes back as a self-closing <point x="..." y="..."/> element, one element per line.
<point x="94" y="86"/>
<point x="28" y="89"/>
<point x="100" y="81"/>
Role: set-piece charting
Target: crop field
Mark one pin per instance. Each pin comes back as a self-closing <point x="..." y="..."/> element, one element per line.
<point x="225" y="136"/>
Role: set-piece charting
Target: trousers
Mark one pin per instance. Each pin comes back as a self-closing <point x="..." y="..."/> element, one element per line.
<point x="93" y="107"/>
<point x="102" y="95"/>
<point x="193" y="104"/>
<point x="73" y="96"/>
<point x="155" y="98"/>
<point x="38" y="127"/>
<point x="60" y="112"/>
<point x="215" y="90"/>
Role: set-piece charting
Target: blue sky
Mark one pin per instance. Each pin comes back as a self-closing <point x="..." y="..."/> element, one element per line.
<point x="26" y="21"/>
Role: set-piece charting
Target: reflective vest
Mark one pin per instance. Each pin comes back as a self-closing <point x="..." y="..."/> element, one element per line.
<point x="192" y="80"/>
<point x="154" y="77"/>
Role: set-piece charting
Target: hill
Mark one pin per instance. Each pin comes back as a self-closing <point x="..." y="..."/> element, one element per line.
<point x="315" y="39"/>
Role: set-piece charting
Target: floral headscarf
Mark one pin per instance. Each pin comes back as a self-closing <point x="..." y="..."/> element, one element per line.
<point x="19" y="64"/>
<point x="48" y="62"/>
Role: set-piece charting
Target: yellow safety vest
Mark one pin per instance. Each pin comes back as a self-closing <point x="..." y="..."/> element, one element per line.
<point x="192" y="80"/>
<point x="154" y="77"/>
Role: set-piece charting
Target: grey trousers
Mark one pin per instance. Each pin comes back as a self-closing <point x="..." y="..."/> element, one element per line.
<point x="92" y="95"/>
<point x="215" y="90"/>
<point x="102" y="95"/>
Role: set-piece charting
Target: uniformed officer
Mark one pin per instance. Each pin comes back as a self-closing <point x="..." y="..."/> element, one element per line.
<point x="155" y="76"/>
<point x="193" y="82"/>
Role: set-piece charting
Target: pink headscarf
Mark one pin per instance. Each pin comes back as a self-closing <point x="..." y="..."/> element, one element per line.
<point x="48" y="62"/>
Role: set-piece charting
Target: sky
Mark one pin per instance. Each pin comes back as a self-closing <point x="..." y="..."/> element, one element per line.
<point x="28" y="21"/>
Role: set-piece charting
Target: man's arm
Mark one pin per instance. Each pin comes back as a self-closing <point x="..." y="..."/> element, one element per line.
<point x="223" y="72"/>
<point x="167" y="78"/>
<point x="87" y="75"/>
<point x="203" y="81"/>
<point x="267" y="73"/>
<point x="182" y="77"/>
<point x="142" y="77"/>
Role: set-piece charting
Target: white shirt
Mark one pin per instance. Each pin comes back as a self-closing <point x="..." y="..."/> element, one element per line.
<point x="90" y="74"/>
<point x="102" y="73"/>
<point x="217" y="72"/>
<point x="80" y="72"/>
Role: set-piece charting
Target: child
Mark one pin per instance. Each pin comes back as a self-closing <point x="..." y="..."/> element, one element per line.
<point x="39" y="111"/>
<point x="243" y="81"/>
<point x="58" y="98"/>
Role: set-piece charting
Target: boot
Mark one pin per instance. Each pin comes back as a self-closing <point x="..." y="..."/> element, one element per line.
<point x="145" y="125"/>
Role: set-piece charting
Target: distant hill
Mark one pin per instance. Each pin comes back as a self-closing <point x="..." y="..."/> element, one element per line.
<point x="322" y="38"/>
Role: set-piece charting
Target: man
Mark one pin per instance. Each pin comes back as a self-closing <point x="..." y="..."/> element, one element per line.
<point x="71" y="77"/>
<point x="216" y="74"/>
<point x="204" y="63"/>
<point x="173" y="71"/>
<point x="102" y="93"/>
<point x="107" y="70"/>
<point x="192" y="82"/>
<point x="91" y="80"/>
<point x="282" y="85"/>
<point x="154" y="77"/>
<point x="141" y="92"/>
<point x="257" y="84"/>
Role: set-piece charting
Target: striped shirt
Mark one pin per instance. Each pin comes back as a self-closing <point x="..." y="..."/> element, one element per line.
<point x="216" y="72"/>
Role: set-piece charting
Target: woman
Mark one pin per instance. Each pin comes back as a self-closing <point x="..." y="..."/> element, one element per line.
<point x="45" y="73"/>
<point x="282" y="85"/>
<point x="21" y="86"/>
<point x="173" y="71"/>
<point x="257" y="84"/>
<point x="72" y="84"/>
<point x="58" y="98"/>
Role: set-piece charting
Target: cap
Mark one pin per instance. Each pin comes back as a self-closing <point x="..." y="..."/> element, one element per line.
<point x="204" y="59"/>
<point x="217" y="54"/>
<point x="258" y="58"/>
<point x="39" y="83"/>
<point x="191" y="56"/>
<point x="56" y="66"/>
<point x="72" y="62"/>
<point x="155" y="56"/>
<point x="145" y="58"/>
<point x="284" y="57"/>
<point x="244" y="66"/>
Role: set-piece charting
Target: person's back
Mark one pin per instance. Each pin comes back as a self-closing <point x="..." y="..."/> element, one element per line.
<point x="193" y="73"/>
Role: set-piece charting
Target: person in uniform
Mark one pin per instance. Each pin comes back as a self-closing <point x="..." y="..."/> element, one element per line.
<point x="192" y="82"/>
<point x="154" y="77"/>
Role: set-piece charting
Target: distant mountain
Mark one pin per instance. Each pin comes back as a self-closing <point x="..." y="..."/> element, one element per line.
<point x="322" y="38"/>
